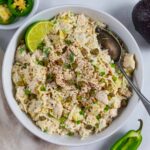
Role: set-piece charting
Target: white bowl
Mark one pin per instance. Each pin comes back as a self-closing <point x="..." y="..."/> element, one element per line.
<point x="21" y="20"/>
<point x="117" y="27"/>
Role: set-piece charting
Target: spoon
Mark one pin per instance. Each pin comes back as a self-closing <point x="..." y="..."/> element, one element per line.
<point x="110" y="42"/>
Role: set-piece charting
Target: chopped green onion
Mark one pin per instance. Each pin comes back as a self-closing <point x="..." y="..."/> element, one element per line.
<point x="113" y="65"/>
<point x="21" y="50"/>
<point x="50" y="77"/>
<point x="78" y="122"/>
<point x="70" y="82"/>
<point x="46" y="51"/>
<point x="107" y="107"/>
<point x="67" y="66"/>
<point x="40" y="62"/>
<point x="42" y="118"/>
<point x="70" y="134"/>
<point x="46" y="129"/>
<point x="94" y="51"/>
<point x="64" y="31"/>
<point x="82" y="112"/>
<point x="24" y="65"/>
<point x="71" y="57"/>
<point x="79" y="97"/>
<point x="118" y="71"/>
<point x="68" y="42"/>
<point x="43" y="88"/>
<point x="27" y="91"/>
<point x="98" y="116"/>
<point x="41" y="46"/>
<point x="114" y="78"/>
<point x="102" y="73"/>
<point x="97" y="125"/>
<point x="49" y="115"/>
<point x="78" y="74"/>
<point x="64" y="49"/>
<point x="62" y="120"/>
<point x="63" y="126"/>
<point x="92" y="92"/>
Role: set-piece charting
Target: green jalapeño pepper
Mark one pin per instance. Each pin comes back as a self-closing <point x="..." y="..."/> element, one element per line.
<point x="6" y="17"/>
<point x="3" y="1"/>
<point x="20" y="7"/>
<point x="130" y="141"/>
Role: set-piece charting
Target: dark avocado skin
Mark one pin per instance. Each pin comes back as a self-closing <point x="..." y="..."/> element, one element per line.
<point x="141" y="18"/>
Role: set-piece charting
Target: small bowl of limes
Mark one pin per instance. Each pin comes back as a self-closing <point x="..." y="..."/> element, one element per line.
<point x="13" y="13"/>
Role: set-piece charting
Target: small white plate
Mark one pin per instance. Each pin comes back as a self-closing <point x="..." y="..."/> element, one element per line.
<point x="21" y="20"/>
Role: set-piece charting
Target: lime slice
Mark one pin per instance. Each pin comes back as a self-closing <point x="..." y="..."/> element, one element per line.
<point x="36" y="33"/>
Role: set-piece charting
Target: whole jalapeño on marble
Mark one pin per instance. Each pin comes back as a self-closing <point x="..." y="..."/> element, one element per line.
<point x="130" y="141"/>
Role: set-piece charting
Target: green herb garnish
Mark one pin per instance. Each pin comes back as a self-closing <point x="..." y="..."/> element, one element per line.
<point x="40" y="62"/>
<point x="114" y="78"/>
<point x="79" y="97"/>
<point x="42" y="118"/>
<point x="71" y="57"/>
<point x="70" y="82"/>
<point x="98" y="116"/>
<point x="102" y="73"/>
<point x="107" y="107"/>
<point x="49" y="115"/>
<point x="70" y="134"/>
<point x="92" y="92"/>
<point x="46" y="51"/>
<point x="41" y="46"/>
<point x="43" y="88"/>
<point x="67" y="66"/>
<point x="82" y="112"/>
<point x="63" y="126"/>
<point x="21" y="50"/>
<point x="45" y="130"/>
<point x="113" y="65"/>
<point x="50" y="77"/>
<point x="78" y="74"/>
<point x="68" y="42"/>
<point x="62" y="120"/>
<point x="94" y="51"/>
<point x="78" y="122"/>
<point x="27" y="91"/>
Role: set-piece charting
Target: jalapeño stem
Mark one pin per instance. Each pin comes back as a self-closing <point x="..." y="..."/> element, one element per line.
<point x="140" y="127"/>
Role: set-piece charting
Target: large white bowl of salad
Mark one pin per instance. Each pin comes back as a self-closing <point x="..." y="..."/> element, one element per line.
<point x="60" y="81"/>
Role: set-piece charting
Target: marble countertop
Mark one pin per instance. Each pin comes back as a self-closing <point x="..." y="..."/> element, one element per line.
<point x="122" y="11"/>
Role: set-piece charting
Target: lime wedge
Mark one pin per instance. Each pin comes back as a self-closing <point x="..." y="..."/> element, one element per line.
<point x="36" y="33"/>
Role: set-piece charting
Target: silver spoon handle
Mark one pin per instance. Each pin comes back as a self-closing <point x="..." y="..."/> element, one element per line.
<point x="145" y="101"/>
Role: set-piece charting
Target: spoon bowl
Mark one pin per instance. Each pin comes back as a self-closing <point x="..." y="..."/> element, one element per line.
<point x="110" y="42"/>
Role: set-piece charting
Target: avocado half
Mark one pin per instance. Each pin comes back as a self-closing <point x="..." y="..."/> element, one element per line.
<point x="141" y="18"/>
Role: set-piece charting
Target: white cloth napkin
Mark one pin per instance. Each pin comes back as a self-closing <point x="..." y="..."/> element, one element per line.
<point x="13" y="136"/>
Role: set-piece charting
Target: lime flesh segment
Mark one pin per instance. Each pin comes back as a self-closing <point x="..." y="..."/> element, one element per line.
<point x="36" y="33"/>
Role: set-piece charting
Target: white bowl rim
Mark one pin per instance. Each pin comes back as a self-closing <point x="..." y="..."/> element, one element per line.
<point x="23" y="19"/>
<point x="5" y="86"/>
